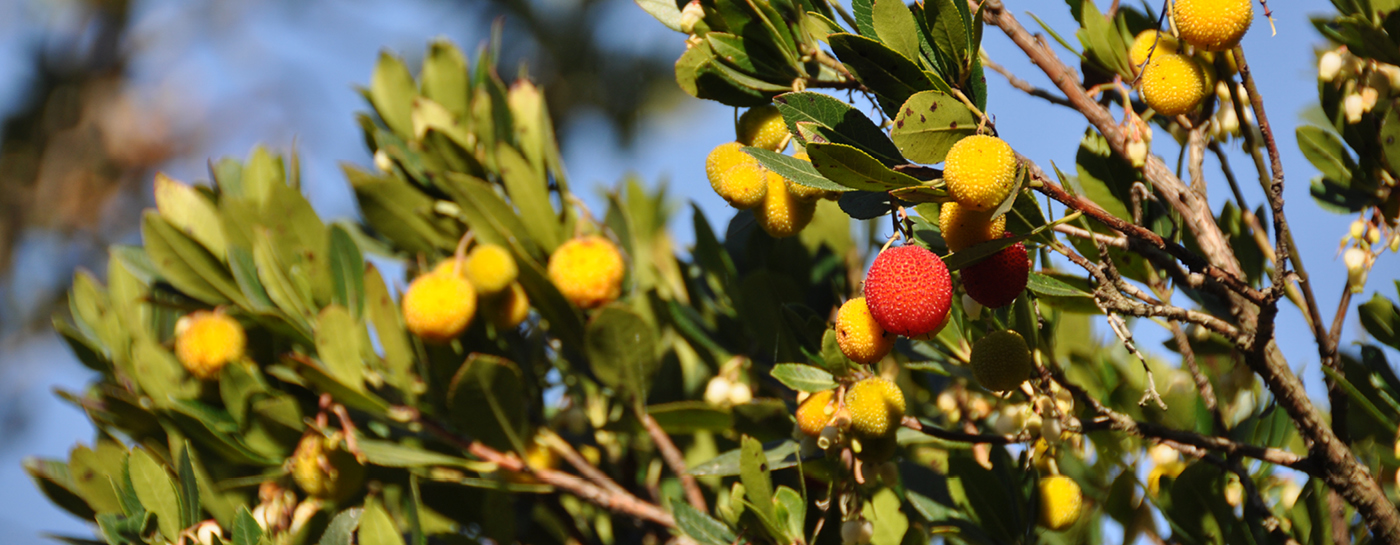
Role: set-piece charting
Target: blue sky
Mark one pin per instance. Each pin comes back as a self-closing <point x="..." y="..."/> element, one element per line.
<point x="280" y="73"/>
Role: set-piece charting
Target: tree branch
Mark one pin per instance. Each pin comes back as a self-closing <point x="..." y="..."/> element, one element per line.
<point x="673" y="458"/>
<point x="961" y="437"/>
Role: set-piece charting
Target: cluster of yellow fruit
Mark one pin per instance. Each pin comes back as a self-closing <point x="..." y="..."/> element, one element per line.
<point x="1174" y="82"/>
<point x="869" y="415"/>
<point x="781" y="207"/>
<point x="979" y="173"/>
<point x="439" y="306"/>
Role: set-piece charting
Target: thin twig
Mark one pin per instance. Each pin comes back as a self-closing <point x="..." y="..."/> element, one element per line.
<point x="1116" y="242"/>
<point x="1024" y="85"/>
<point x="673" y="458"/>
<point x="962" y="437"/>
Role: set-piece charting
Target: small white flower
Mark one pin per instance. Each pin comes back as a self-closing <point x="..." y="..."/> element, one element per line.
<point x="1329" y="65"/>
<point x="1354" y="108"/>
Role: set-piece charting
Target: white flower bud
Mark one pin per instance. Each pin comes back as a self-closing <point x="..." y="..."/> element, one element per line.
<point x="1234" y="493"/>
<point x="831" y="436"/>
<point x="1373" y="235"/>
<point x="1391" y="72"/>
<point x="740" y="394"/>
<point x="1354" y="108"/>
<point x="1050" y="431"/>
<point x="856" y="532"/>
<point x="692" y="14"/>
<point x="205" y="531"/>
<point x="1356" y="261"/>
<point x="971" y="307"/>
<point x="1369" y="96"/>
<point x="717" y="391"/>
<point x="1137" y="153"/>
<point x="1358" y="229"/>
<point x="1329" y="65"/>
<point x="382" y="162"/>
<point x="1162" y="455"/>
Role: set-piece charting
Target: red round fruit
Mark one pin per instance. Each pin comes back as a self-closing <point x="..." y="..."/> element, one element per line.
<point x="908" y="291"/>
<point x="997" y="280"/>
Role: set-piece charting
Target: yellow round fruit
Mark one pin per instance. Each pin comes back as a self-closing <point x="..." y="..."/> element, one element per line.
<point x="980" y="171"/>
<point x="1060" y="502"/>
<point x="1154" y="478"/>
<point x="861" y="338"/>
<point x="490" y="268"/>
<point x="782" y="214"/>
<point x="324" y="470"/>
<point x="744" y="186"/>
<point x="1173" y="84"/>
<point x="963" y="227"/>
<point x="806" y="193"/>
<point x="1212" y="25"/>
<point x="763" y="127"/>
<point x="510" y="307"/>
<point x="1166" y="45"/>
<point x="721" y="160"/>
<point x="876" y="406"/>
<point x="588" y="271"/>
<point x="206" y="341"/>
<point x="1001" y="361"/>
<point x="815" y="412"/>
<point x="438" y="306"/>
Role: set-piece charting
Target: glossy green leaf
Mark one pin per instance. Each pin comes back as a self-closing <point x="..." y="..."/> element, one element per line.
<point x="1049" y="285"/>
<point x="893" y="523"/>
<point x="189" y="488"/>
<point x="795" y="170"/>
<point x="758" y="485"/>
<point x="186" y="264"/>
<point x="338" y="344"/>
<point x="190" y="211"/>
<point x="699" y="526"/>
<point x="445" y="77"/>
<point x="894" y="26"/>
<point x="803" y="377"/>
<point x="856" y="169"/>
<point x="929" y="124"/>
<point x="383" y="313"/>
<point x="159" y="374"/>
<point x="487" y="399"/>
<point x="888" y="74"/>
<point x="682" y="417"/>
<point x="246" y="530"/>
<point x="347" y="271"/>
<point x="846" y="124"/>
<point x="376" y="528"/>
<point x="399" y="212"/>
<point x="391" y="90"/>
<point x="55" y="480"/>
<point x="864" y="12"/>
<point x="156" y="490"/>
<point x="1327" y="153"/>
<point x="783" y="455"/>
<point x="341" y="530"/>
<point x="621" y="349"/>
<point x="391" y="454"/>
<point x="322" y="380"/>
<point x="530" y="194"/>
<point x="1381" y="319"/>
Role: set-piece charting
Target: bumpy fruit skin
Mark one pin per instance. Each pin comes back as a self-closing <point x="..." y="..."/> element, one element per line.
<point x="1166" y="45"/>
<point x="587" y="270"/>
<point x="490" y="268"/>
<point x="324" y="470"/>
<point x="782" y="214"/>
<point x="742" y="189"/>
<point x="1060" y="501"/>
<point x="438" y="306"/>
<point x="1001" y="361"/>
<point x="815" y="411"/>
<point x="763" y="127"/>
<point x="876" y="406"/>
<point x="1212" y="25"/>
<point x="510" y="307"/>
<point x="980" y="171"/>
<point x="995" y="282"/>
<point x="1173" y="84"/>
<point x="909" y="291"/>
<point x="206" y="341"/>
<point x="803" y="192"/>
<point x="963" y="227"/>
<point x="861" y="338"/>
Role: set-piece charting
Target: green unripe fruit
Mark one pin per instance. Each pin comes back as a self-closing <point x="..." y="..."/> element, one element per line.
<point x="875" y="450"/>
<point x="324" y="470"/>
<point x="1001" y="361"/>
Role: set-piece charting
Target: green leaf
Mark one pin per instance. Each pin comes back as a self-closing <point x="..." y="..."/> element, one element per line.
<point x="391" y="454"/>
<point x="856" y="169"/>
<point x="1360" y="399"/>
<point x="389" y="329"/>
<point x="621" y="349"/>
<point x="864" y="11"/>
<point x="681" y="417"/>
<point x="529" y="192"/>
<point x="192" y="212"/>
<point x="341" y="530"/>
<point x="399" y="212"/>
<point x="1390" y="128"/>
<point x="91" y="473"/>
<point x="792" y="511"/>
<point x="783" y="455"/>
<point x="664" y="11"/>
<point x="338" y="344"/>
<point x="159" y="374"/>
<point x="291" y="292"/>
<point x="445" y="77"/>
<point x="948" y="25"/>
<point x="376" y="528"/>
<point x="1050" y="286"/>
<point x="795" y="170"/>
<point x="245" y="529"/>
<point x="698" y="73"/>
<point x="157" y="492"/>
<point x="55" y="480"/>
<point x="888" y="74"/>
<point x="894" y="26"/>
<point x="846" y="124"/>
<point x="391" y="90"/>
<point x="891" y="523"/>
<point x="1381" y="319"/>
<point x="758" y="486"/>
<point x="347" y="272"/>
<point x="186" y="264"/>
<point x="803" y="377"/>
<point x="189" y="489"/>
<point x="1327" y="153"/>
<point x="324" y="382"/>
<point x="487" y="400"/>
<point x="699" y="526"/>
<point x="929" y="124"/>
